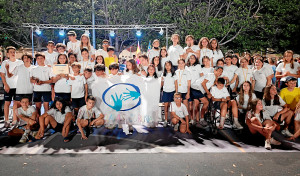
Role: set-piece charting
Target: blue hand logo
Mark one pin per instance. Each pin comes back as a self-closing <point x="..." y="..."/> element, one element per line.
<point x="131" y="94"/>
<point x="117" y="102"/>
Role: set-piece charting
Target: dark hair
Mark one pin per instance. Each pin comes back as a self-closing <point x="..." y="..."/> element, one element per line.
<point x="218" y="46"/>
<point x="84" y="49"/>
<point x="51" y="42"/>
<point x="60" y="45"/>
<point x="228" y="56"/>
<point x="134" y="66"/>
<point x="88" y="69"/>
<point x="40" y="54"/>
<point x="189" y="62"/>
<point x="90" y="97"/>
<point x="172" y="69"/>
<point x="62" y="55"/>
<point x="205" y="57"/>
<point x="267" y="96"/>
<point x="221" y="81"/>
<point x="237" y="63"/>
<point x="155" y="74"/>
<point x="71" y="53"/>
<point x="27" y="55"/>
<point x="159" y="67"/>
<point x="64" y="104"/>
<point x="181" y="60"/>
<point x="217" y="68"/>
<point x="105" y="40"/>
<point x="99" y="67"/>
<point x="252" y="107"/>
<point x="144" y="56"/>
<point x="10" y="48"/>
<point x="25" y="97"/>
<point x="103" y="62"/>
<point x="163" y="48"/>
<point x="220" y="60"/>
<point x="114" y="65"/>
<point x="110" y="48"/>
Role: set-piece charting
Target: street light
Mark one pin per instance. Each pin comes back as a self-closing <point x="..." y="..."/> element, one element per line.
<point x="38" y="31"/>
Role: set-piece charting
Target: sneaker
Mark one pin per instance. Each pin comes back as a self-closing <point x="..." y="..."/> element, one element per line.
<point x="268" y="144"/>
<point x="176" y="127"/>
<point x="192" y="122"/>
<point x="274" y="142"/>
<point x="238" y="126"/>
<point x="287" y="133"/>
<point x="24" y="138"/>
<point x="203" y="123"/>
<point x="6" y="124"/>
<point x="165" y="124"/>
<point x="14" y="124"/>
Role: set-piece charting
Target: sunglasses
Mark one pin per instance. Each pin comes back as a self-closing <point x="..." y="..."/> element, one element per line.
<point x="177" y="98"/>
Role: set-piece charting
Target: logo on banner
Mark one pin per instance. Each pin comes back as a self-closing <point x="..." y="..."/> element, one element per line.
<point x="122" y="96"/>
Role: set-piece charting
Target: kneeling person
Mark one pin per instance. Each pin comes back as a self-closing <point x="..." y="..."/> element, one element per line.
<point x="89" y="116"/>
<point x="179" y="114"/>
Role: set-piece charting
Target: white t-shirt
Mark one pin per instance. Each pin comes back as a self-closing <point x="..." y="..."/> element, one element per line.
<point x="62" y="86"/>
<point x="158" y="73"/>
<point x="182" y="77"/>
<point x="169" y="82"/>
<point x="174" y="52"/>
<point x="85" y="64"/>
<point x="195" y="73"/>
<point x="205" y="70"/>
<point x="12" y="81"/>
<point x="244" y="75"/>
<point x="164" y="60"/>
<point x="205" y="52"/>
<point x="210" y="77"/>
<point x="230" y="70"/>
<point x="92" y="51"/>
<point x="219" y="93"/>
<point x="43" y="73"/>
<point x="152" y="53"/>
<point x="24" y="86"/>
<point x="57" y="115"/>
<point x="129" y="73"/>
<point x="280" y="68"/>
<point x="75" y="47"/>
<point x="273" y="109"/>
<point x="181" y="111"/>
<point x="102" y="53"/>
<point x="77" y="86"/>
<point x="246" y="99"/>
<point x="89" y="82"/>
<point x="265" y="116"/>
<point x="260" y="77"/>
<point x="195" y="48"/>
<point x="84" y="113"/>
<point x="217" y="54"/>
<point x="27" y="113"/>
<point x="51" y="58"/>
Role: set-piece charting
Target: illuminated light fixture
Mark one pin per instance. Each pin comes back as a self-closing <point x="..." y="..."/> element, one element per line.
<point x="138" y="33"/>
<point x="61" y="33"/>
<point x="38" y="31"/>
<point x="161" y="32"/>
<point x="112" y="33"/>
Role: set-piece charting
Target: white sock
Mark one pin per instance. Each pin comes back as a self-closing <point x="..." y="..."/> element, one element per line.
<point x="222" y="121"/>
<point x="27" y="131"/>
<point x="236" y="120"/>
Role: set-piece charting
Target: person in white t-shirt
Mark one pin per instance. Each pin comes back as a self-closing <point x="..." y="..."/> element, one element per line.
<point x="204" y="50"/>
<point x="262" y="77"/>
<point x="206" y="69"/>
<point x="190" y="48"/>
<point x="164" y="56"/>
<point x="179" y="114"/>
<point x="50" y="54"/>
<point x="86" y="43"/>
<point x="221" y="63"/>
<point x="245" y="96"/>
<point x="9" y="83"/>
<point x="154" y="51"/>
<point x="89" y="116"/>
<point x="217" y="53"/>
<point x="100" y="60"/>
<point x="103" y="52"/>
<point x="79" y="88"/>
<point x="168" y="84"/>
<point x="144" y="63"/>
<point x="175" y="51"/>
<point x="183" y="81"/>
<point x="131" y="68"/>
<point x="287" y="68"/>
<point x="90" y="78"/>
<point x="62" y="87"/>
<point x="28" y="117"/>
<point x="158" y="67"/>
<point x="73" y="45"/>
<point x="41" y="77"/>
<point x="230" y="69"/>
<point x="59" y="118"/>
<point x="61" y="49"/>
<point x="85" y="62"/>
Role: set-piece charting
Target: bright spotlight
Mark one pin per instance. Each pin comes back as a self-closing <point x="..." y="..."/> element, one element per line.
<point x="138" y="33"/>
<point x="38" y="31"/>
<point x="112" y="33"/>
<point x="161" y="32"/>
<point x="62" y="32"/>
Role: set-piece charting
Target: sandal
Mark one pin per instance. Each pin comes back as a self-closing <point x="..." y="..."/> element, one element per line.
<point x="66" y="139"/>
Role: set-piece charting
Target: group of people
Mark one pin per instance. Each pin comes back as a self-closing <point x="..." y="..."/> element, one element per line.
<point x="193" y="79"/>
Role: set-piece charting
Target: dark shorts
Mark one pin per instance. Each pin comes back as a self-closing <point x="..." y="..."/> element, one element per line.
<point x="65" y="96"/>
<point x="39" y="96"/>
<point x="279" y="119"/>
<point x="58" y="127"/>
<point x="183" y="95"/>
<point x="167" y="97"/>
<point x="196" y="94"/>
<point x="11" y="95"/>
<point x="20" y="96"/>
<point x="259" y="95"/>
<point x="78" y="102"/>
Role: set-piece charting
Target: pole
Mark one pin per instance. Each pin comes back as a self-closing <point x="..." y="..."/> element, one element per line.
<point x="167" y="38"/>
<point x="93" y="20"/>
<point x="32" y="44"/>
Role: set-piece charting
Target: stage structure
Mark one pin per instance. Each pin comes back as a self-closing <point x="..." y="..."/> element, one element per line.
<point x="38" y="27"/>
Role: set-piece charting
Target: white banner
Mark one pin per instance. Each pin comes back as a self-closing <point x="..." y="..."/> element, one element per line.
<point x="128" y="99"/>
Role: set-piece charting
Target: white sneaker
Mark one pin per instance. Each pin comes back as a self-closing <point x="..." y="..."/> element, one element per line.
<point x="165" y="124"/>
<point x="287" y="133"/>
<point x="237" y="125"/>
<point x="274" y="142"/>
<point x="268" y="144"/>
<point x="192" y="122"/>
<point x="24" y="138"/>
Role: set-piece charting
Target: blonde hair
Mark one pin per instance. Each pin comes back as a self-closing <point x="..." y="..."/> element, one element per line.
<point x="200" y="42"/>
<point x="177" y="35"/>
<point x="89" y="42"/>
<point x="292" y="60"/>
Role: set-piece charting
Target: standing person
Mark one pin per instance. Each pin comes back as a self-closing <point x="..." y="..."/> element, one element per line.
<point x="287" y="68"/>
<point x="86" y="62"/>
<point x="154" y="51"/>
<point x="100" y="60"/>
<point x="72" y="58"/>
<point x="230" y="69"/>
<point x="86" y="43"/>
<point x="217" y="53"/>
<point x="144" y="63"/>
<point x="73" y="45"/>
<point x="204" y="50"/>
<point x="163" y="55"/>
<point x="41" y="78"/>
<point x="131" y="68"/>
<point x="190" y="47"/>
<point x="50" y="54"/>
<point x="103" y="51"/>
<point x="10" y="84"/>
<point x="111" y="57"/>
<point x="158" y="67"/>
<point x="61" y="49"/>
<point x="175" y="51"/>
<point x="235" y="60"/>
